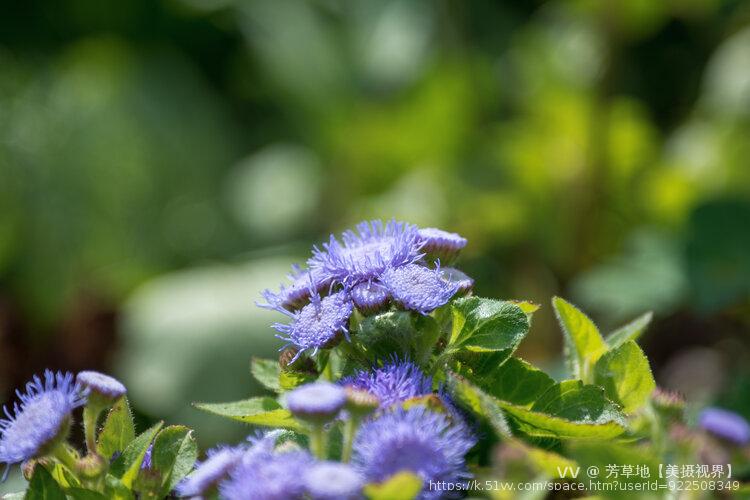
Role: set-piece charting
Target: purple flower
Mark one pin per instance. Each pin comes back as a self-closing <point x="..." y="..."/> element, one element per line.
<point x="441" y="245"/>
<point x="297" y="294"/>
<point x="365" y="254"/>
<point x="369" y="297"/>
<point x="428" y="444"/>
<point x="207" y="475"/>
<point x="319" y="400"/>
<point x="333" y="481"/>
<point x="418" y="288"/>
<point x="43" y="417"/>
<point x="392" y="383"/>
<point x="267" y="476"/>
<point x="146" y="463"/>
<point x="725" y="424"/>
<point x="103" y="385"/>
<point x="318" y="325"/>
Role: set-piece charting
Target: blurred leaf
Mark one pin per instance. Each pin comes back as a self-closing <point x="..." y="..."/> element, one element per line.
<point x="290" y="379"/>
<point x="82" y="494"/>
<point x="484" y="325"/>
<point x="174" y="454"/>
<point x="584" y="343"/>
<point x="403" y="485"/>
<point x="631" y="331"/>
<point x="118" y="430"/>
<point x="480" y="403"/>
<point x="626" y="376"/>
<point x="127" y="465"/>
<point x="266" y="371"/>
<point x="43" y="487"/>
<point x="256" y="411"/>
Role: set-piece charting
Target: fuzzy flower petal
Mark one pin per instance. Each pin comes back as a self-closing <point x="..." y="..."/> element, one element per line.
<point x="426" y="443"/>
<point x="441" y="245"/>
<point x="418" y="288"/>
<point x="369" y="297"/>
<point x="366" y="253"/>
<point x="207" y="475"/>
<point x="42" y="417"/>
<point x="317" y="400"/>
<point x="319" y="324"/>
<point x="725" y="424"/>
<point x="333" y="481"/>
<point x="298" y="292"/>
<point x="102" y="384"/>
<point x="392" y="383"/>
<point x="267" y="476"/>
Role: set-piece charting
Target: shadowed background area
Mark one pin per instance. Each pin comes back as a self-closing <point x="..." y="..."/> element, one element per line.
<point x="161" y="162"/>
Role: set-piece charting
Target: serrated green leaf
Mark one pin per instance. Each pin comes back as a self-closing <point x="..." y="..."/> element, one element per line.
<point x="626" y="376"/>
<point x="290" y="379"/>
<point x="266" y="371"/>
<point x="486" y="325"/>
<point x="118" y="430"/>
<point x="515" y="380"/>
<point x="174" y="454"/>
<point x="381" y="335"/>
<point x="631" y="331"/>
<point x="43" y="487"/>
<point x="543" y="425"/>
<point x="478" y="402"/>
<point x="403" y="485"/>
<point x="127" y="465"/>
<point x="261" y="411"/>
<point x="583" y="342"/>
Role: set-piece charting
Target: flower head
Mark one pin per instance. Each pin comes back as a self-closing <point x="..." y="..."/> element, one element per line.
<point x="366" y="253"/>
<point x="318" y="401"/>
<point x="426" y="443"/>
<point x="32" y="428"/>
<point x="369" y="297"/>
<point x="319" y="324"/>
<point x="207" y="475"/>
<point x="102" y="385"/>
<point x="725" y="424"/>
<point x="333" y="481"/>
<point x="392" y="383"/>
<point x="267" y="476"/>
<point x="418" y="288"/>
<point x="441" y="245"/>
<point x="303" y="284"/>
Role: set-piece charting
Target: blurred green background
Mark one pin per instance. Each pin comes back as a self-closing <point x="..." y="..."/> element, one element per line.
<point x="161" y="162"/>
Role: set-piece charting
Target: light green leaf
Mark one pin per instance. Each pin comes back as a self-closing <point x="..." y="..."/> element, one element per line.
<point x="266" y="371"/>
<point x="290" y="379"/>
<point x="43" y="487"/>
<point x="626" y="376"/>
<point x="128" y="464"/>
<point x="583" y="342"/>
<point x="486" y="325"/>
<point x="381" y="335"/>
<point x="403" y="485"/>
<point x="631" y="331"/>
<point x="515" y="380"/>
<point x="478" y="402"/>
<point x="174" y="454"/>
<point x="118" y="430"/>
<point x="263" y="411"/>
<point x="82" y="494"/>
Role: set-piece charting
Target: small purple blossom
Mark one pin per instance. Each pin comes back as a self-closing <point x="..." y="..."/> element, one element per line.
<point x="428" y="444"/>
<point x="146" y="463"/>
<point x="319" y="400"/>
<point x="369" y="297"/>
<point x="418" y="288"/>
<point x="333" y="481"/>
<point x="303" y="284"/>
<point x="42" y="417"/>
<point x="267" y="476"/>
<point x="725" y="424"/>
<point x="441" y="245"/>
<point x="392" y="383"/>
<point x="207" y="475"/>
<point x="318" y="325"/>
<point x="365" y="254"/>
<point x="101" y="384"/>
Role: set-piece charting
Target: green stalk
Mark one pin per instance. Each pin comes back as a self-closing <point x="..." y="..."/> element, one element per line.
<point x="90" y="418"/>
<point x="62" y="453"/>
<point x="350" y="430"/>
<point x="318" y="442"/>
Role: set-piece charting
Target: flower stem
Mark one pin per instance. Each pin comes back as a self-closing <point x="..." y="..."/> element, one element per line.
<point x="90" y="418"/>
<point x="318" y="442"/>
<point x="62" y="453"/>
<point x="350" y="430"/>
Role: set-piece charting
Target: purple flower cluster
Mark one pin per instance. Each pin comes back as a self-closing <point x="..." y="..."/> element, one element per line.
<point x="368" y="268"/>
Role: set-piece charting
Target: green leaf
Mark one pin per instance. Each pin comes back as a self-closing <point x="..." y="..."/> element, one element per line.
<point x="266" y="371"/>
<point x="583" y="342"/>
<point x="515" y="380"/>
<point x="381" y="335"/>
<point x="118" y="429"/>
<point x="115" y="490"/>
<point x="403" y="485"/>
<point x="626" y="376"/>
<point x="478" y="402"/>
<point x="631" y="331"/>
<point x="569" y="409"/>
<point x="174" y="454"/>
<point x="81" y="494"/>
<point x="262" y="411"/>
<point x="43" y="487"/>
<point x="128" y="464"/>
<point x="290" y="379"/>
<point x="486" y="325"/>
